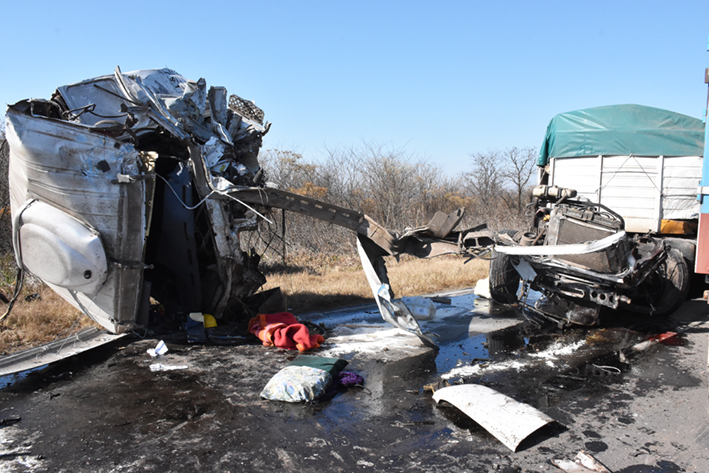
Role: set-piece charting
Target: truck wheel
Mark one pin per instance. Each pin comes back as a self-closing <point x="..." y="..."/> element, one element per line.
<point x="668" y="286"/>
<point x="504" y="279"/>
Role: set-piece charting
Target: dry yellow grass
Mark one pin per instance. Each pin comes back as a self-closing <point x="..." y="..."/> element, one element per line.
<point x="317" y="286"/>
<point x="310" y="283"/>
<point x="39" y="321"/>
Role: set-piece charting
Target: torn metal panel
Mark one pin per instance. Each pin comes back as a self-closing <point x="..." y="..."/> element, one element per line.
<point x="583" y="463"/>
<point x="60" y="249"/>
<point x="73" y="169"/>
<point x="508" y="420"/>
<point x="125" y="154"/>
<point x="393" y="311"/>
<point x="43" y="355"/>
<point x="561" y="250"/>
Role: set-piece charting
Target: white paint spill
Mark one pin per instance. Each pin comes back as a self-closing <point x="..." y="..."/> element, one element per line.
<point x="549" y="356"/>
<point x="558" y="349"/>
<point x="367" y="341"/>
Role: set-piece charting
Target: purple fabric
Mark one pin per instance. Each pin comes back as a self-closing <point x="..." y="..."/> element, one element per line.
<point x="348" y="379"/>
<point x="344" y="379"/>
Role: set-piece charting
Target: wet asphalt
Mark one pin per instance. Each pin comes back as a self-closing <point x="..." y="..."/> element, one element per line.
<point x="636" y="407"/>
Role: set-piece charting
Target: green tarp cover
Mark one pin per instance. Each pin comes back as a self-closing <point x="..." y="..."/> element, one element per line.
<point x="622" y="130"/>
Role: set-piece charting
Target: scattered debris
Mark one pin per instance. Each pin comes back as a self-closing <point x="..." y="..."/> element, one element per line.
<point x="4" y="422"/>
<point x="583" y="463"/>
<point x="161" y="367"/>
<point x="433" y="387"/>
<point x="669" y="338"/>
<point x="310" y="378"/>
<point x="422" y="308"/>
<point x="282" y="330"/>
<point x="160" y="349"/>
<point x="297" y="384"/>
<point x="482" y="288"/>
<point x="508" y="420"/>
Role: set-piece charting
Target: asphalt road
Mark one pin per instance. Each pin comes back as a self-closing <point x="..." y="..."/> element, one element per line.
<point x="633" y="410"/>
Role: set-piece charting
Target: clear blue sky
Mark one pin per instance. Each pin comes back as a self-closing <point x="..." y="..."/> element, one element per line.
<point x="440" y="79"/>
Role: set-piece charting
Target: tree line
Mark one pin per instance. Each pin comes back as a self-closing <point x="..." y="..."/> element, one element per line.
<point x="394" y="187"/>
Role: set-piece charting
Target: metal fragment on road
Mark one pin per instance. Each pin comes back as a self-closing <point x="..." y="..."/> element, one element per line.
<point x="508" y="420"/>
<point x="393" y="311"/>
<point x="160" y="367"/>
<point x="583" y="463"/>
<point x="41" y="356"/>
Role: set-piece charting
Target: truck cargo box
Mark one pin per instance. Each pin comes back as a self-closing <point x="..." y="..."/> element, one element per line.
<point x="644" y="163"/>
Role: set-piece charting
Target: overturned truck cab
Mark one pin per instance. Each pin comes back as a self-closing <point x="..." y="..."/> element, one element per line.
<point x="106" y="182"/>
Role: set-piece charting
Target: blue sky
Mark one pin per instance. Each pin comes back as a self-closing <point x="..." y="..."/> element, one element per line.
<point x="438" y="79"/>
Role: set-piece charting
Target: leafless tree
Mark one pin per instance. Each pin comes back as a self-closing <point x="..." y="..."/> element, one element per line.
<point x="499" y="185"/>
<point x="488" y="175"/>
<point x="393" y="186"/>
<point x="520" y="166"/>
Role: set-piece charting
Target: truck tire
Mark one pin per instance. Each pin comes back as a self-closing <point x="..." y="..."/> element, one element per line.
<point x="667" y="287"/>
<point x="504" y="279"/>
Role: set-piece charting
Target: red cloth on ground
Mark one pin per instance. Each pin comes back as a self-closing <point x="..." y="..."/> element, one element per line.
<point x="282" y="330"/>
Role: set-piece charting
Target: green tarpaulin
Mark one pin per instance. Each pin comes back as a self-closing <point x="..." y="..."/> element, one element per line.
<point x="622" y="130"/>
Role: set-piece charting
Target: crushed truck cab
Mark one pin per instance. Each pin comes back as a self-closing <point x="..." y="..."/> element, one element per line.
<point x="128" y="165"/>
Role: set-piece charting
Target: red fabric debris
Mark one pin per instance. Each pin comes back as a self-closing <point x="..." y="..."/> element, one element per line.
<point x="668" y="338"/>
<point x="282" y="330"/>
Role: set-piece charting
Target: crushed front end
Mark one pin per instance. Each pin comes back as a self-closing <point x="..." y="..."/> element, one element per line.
<point x="578" y="256"/>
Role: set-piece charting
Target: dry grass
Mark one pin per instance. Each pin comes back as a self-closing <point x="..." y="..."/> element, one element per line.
<point x="314" y="285"/>
<point x="310" y="283"/>
<point x="43" y="317"/>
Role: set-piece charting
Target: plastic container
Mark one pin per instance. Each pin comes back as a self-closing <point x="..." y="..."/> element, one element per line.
<point x="421" y="308"/>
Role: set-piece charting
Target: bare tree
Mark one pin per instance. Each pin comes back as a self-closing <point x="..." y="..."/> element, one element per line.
<point x="396" y="188"/>
<point x="520" y="165"/>
<point x="341" y="173"/>
<point x="393" y="186"/>
<point x="291" y="172"/>
<point x="499" y="184"/>
<point x="487" y="177"/>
